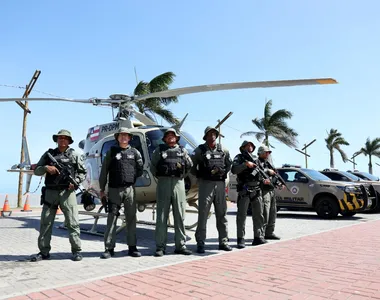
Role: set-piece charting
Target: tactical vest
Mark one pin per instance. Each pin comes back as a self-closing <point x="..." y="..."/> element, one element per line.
<point x="122" y="169"/>
<point x="249" y="175"/>
<point x="65" y="159"/>
<point x="172" y="162"/>
<point x="213" y="166"/>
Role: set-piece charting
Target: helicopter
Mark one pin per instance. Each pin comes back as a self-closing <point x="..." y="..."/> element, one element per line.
<point x="147" y="135"/>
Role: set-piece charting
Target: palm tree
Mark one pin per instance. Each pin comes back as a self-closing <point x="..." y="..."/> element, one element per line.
<point x="371" y="148"/>
<point x="334" y="141"/>
<point x="274" y="125"/>
<point x="152" y="106"/>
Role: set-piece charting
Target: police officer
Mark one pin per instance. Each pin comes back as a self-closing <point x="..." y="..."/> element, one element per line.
<point x="270" y="208"/>
<point x="171" y="163"/>
<point x="123" y="164"/>
<point x="211" y="165"/>
<point x="249" y="181"/>
<point x="58" y="190"/>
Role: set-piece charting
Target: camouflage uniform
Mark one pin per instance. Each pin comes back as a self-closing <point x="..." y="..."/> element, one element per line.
<point x="249" y="182"/>
<point x="211" y="191"/>
<point x="59" y="195"/>
<point x="121" y="192"/>
<point x="270" y="207"/>
<point x="171" y="165"/>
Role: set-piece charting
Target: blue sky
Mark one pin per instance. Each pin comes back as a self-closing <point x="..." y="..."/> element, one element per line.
<point x="90" y="48"/>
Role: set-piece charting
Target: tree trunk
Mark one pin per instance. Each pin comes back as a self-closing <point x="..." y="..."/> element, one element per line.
<point x="370" y="164"/>
<point x="267" y="140"/>
<point x="331" y="159"/>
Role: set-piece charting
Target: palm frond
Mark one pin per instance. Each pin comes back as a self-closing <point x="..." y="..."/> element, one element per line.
<point x="250" y="133"/>
<point x="280" y="115"/>
<point x="142" y="88"/>
<point x="258" y="123"/>
<point x="267" y="113"/>
<point x="161" y="82"/>
<point x="342" y="153"/>
<point x="166" y="114"/>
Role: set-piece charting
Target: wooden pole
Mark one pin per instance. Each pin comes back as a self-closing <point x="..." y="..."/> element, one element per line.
<point x="28" y="89"/>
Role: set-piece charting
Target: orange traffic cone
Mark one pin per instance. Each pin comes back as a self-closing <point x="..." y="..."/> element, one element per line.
<point x="26" y="205"/>
<point x="6" y="212"/>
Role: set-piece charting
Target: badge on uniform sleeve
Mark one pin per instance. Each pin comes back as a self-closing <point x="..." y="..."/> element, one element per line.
<point x="118" y="156"/>
<point x="208" y="155"/>
<point x="164" y="155"/>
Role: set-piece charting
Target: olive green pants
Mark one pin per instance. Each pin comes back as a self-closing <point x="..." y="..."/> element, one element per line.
<point x="116" y="197"/>
<point x="257" y="214"/>
<point x="68" y="203"/>
<point x="212" y="192"/>
<point x="270" y="212"/>
<point x="170" y="192"/>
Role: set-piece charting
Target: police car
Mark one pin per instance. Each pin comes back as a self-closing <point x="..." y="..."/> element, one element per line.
<point x="310" y="189"/>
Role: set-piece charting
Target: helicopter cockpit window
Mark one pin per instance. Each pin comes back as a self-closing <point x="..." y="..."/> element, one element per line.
<point x="134" y="142"/>
<point x="154" y="138"/>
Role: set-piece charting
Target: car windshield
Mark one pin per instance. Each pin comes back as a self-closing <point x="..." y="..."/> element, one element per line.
<point x="350" y="175"/>
<point x="369" y="176"/>
<point x="154" y="138"/>
<point x="315" y="175"/>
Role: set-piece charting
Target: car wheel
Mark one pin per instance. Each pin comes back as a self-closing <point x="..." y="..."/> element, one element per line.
<point x="347" y="213"/>
<point x="327" y="207"/>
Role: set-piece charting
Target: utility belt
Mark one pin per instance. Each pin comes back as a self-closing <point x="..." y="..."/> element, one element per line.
<point x="250" y="190"/>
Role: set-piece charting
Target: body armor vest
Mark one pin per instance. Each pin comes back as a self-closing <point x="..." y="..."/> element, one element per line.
<point x="122" y="169"/>
<point x="172" y="162"/>
<point x="213" y="167"/>
<point x="65" y="159"/>
<point x="248" y="175"/>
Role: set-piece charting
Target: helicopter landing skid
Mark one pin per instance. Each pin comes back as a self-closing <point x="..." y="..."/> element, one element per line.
<point x="93" y="230"/>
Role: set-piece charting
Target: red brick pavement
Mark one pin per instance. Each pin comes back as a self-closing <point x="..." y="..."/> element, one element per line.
<point x="338" y="264"/>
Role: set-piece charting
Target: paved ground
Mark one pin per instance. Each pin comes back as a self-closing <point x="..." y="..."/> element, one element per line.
<point x="338" y="263"/>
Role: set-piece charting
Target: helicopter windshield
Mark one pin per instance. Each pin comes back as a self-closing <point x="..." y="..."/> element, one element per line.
<point x="154" y="138"/>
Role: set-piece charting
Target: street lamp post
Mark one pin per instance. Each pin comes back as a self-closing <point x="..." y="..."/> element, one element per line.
<point x="353" y="160"/>
<point x="305" y="151"/>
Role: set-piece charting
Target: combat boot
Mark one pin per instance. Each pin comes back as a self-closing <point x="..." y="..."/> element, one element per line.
<point x="159" y="253"/>
<point x="200" y="248"/>
<point x="240" y="243"/>
<point x="132" y="251"/>
<point x="183" y="251"/>
<point x="258" y="241"/>
<point x="225" y="247"/>
<point x="77" y="256"/>
<point x="39" y="257"/>
<point x="272" y="237"/>
<point x="107" y="254"/>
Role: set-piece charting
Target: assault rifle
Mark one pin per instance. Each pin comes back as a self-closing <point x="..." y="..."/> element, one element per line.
<point x="64" y="173"/>
<point x="277" y="179"/>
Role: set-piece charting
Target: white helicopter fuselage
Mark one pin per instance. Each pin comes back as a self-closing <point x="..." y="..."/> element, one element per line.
<point x="145" y="140"/>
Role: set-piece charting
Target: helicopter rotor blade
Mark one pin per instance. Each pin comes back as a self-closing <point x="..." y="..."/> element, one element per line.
<point x="143" y="118"/>
<point x="91" y="100"/>
<point x="234" y="86"/>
